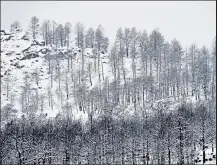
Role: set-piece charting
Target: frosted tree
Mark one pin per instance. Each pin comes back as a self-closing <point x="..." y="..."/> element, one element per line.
<point x="100" y="46"/>
<point x="67" y="32"/>
<point x="133" y="53"/>
<point x="193" y="53"/>
<point x="166" y="69"/>
<point x="127" y="40"/>
<point x="143" y="46"/>
<point x="54" y="33"/>
<point x="8" y="113"/>
<point x="156" y="41"/>
<point x="101" y="41"/>
<point x="34" y="26"/>
<point x="46" y="31"/>
<point x="203" y="70"/>
<point x="120" y="58"/>
<point x="60" y="34"/>
<point x="15" y="26"/>
<point x="202" y="116"/>
<point x="79" y="32"/>
<point x="213" y="64"/>
<point x="176" y="56"/>
<point x="89" y="38"/>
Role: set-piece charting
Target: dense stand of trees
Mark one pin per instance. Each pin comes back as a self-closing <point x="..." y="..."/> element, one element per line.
<point x="149" y="75"/>
<point x="153" y="139"/>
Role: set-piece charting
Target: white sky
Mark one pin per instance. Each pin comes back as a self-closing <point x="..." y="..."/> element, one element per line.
<point x="186" y="21"/>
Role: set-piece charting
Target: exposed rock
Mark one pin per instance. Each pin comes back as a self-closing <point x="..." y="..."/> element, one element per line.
<point x="9" y="53"/>
<point x="35" y="42"/>
<point x="16" y="64"/>
<point x="30" y="56"/>
<point x="44" y="51"/>
<point x="25" y="50"/>
<point x="42" y="43"/>
<point x="20" y="66"/>
<point x="25" y="38"/>
<point x="9" y="37"/>
<point x="3" y="32"/>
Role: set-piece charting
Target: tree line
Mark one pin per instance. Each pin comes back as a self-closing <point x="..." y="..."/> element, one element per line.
<point x="60" y="35"/>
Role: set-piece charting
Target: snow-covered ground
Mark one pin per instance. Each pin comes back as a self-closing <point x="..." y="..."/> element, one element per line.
<point x="21" y="56"/>
<point x="210" y="156"/>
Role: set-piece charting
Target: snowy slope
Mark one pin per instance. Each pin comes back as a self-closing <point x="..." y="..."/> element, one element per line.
<point x="22" y="58"/>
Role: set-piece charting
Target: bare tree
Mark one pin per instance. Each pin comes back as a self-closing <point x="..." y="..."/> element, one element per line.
<point x="34" y="26"/>
<point x="89" y="38"/>
<point x="127" y="40"/>
<point x="46" y="32"/>
<point x="60" y="34"/>
<point x="67" y="32"/>
<point x="15" y="26"/>
<point x="79" y="31"/>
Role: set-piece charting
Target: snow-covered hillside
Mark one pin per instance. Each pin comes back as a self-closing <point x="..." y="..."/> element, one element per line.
<point x="88" y="84"/>
<point x="27" y="62"/>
